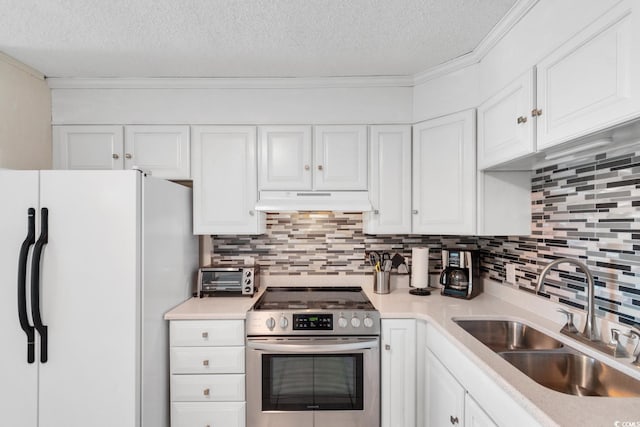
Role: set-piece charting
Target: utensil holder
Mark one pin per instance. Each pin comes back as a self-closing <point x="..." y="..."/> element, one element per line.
<point x="381" y="282"/>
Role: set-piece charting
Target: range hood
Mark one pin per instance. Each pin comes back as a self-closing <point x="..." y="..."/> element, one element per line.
<point x="292" y="201"/>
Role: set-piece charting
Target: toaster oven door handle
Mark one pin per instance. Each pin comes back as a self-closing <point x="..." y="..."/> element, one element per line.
<point x="311" y="346"/>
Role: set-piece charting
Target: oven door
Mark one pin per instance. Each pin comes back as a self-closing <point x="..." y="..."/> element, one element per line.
<point x="313" y="381"/>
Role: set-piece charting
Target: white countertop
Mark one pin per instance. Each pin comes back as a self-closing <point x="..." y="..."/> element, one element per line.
<point x="547" y="406"/>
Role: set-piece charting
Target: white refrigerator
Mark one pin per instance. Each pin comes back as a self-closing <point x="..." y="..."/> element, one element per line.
<point x="83" y="292"/>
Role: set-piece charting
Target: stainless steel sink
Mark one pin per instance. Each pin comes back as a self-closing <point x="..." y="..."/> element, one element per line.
<point x="575" y="374"/>
<point x="504" y="335"/>
<point x="548" y="361"/>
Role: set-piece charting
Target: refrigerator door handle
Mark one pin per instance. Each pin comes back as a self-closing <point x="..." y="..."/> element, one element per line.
<point x="22" y="284"/>
<point x="35" y="283"/>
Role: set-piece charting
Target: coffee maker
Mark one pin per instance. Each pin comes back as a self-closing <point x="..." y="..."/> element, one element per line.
<point x="460" y="275"/>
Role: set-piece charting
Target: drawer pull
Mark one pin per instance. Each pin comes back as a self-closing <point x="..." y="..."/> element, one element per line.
<point x="206" y="392"/>
<point x="205" y="335"/>
<point x="205" y="363"/>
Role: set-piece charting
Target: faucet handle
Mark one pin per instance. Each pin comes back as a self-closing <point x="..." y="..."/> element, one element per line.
<point x="633" y="334"/>
<point x="569" y="327"/>
<point x="619" y="350"/>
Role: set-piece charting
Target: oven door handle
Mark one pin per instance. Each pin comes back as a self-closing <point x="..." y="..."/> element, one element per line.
<point x="312" y="348"/>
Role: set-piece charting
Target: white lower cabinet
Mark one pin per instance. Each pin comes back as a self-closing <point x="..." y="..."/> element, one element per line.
<point x="398" y="373"/>
<point x="207" y="373"/>
<point x="474" y="416"/>
<point x="458" y="393"/>
<point x="447" y="402"/>
<point x="444" y="395"/>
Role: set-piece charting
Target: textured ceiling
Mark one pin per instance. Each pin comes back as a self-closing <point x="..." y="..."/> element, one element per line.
<point x="242" y="38"/>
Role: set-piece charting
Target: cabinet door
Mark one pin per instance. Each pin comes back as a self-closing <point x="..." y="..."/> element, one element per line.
<point x="225" y="185"/>
<point x="163" y="150"/>
<point x="88" y="147"/>
<point x="444" y="395"/>
<point x="284" y="158"/>
<point x="398" y="373"/>
<point x="340" y="157"/>
<point x="474" y="416"/>
<point x="592" y="81"/>
<point x="505" y="129"/>
<point x="389" y="180"/>
<point x="444" y="175"/>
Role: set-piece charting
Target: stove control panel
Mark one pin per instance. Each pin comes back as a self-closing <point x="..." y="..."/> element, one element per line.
<point x="313" y="322"/>
<point x="334" y="322"/>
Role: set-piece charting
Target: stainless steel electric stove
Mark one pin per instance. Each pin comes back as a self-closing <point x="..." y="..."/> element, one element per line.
<point x="313" y="358"/>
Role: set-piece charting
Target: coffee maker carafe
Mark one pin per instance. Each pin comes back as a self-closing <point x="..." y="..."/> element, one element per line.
<point x="460" y="275"/>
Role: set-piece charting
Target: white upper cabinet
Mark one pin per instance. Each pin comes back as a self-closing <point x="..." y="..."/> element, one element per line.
<point x="225" y="184"/>
<point x="336" y="158"/>
<point x="163" y="150"/>
<point x="340" y="154"/>
<point x="505" y="129"/>
<point x="284" y="155"/>
<point x="593" y="80"/>
<point x="444" y="175"/>
<point x="88" y="147"/>
<point x="389" y="180"/>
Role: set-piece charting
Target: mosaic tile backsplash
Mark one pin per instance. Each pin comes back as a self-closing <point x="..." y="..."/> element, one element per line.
<point x="587" y="209"/>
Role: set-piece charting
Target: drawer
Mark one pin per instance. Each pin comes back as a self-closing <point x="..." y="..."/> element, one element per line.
<point x="207" y="388"/>
<point x="212" y="414"/>
<point x="203" y="333"/>
<point x="207" y="360"/>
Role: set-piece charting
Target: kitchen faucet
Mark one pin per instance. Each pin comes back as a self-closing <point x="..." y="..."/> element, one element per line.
<point x="590" y="331"/>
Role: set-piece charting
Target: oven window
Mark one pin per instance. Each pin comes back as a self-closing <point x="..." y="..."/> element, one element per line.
<point x="294" y="382"/>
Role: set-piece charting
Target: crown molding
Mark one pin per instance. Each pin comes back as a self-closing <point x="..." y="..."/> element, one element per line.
<point x="230" y="83"/>
<point x="502" y="28"/>
<point x="22" y="67"/>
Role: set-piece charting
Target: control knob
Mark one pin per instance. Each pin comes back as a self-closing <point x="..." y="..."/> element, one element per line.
<point x="355" y="322"/>
<point x="283" y="322"/>
<point x="342" y="322"/>
<point x="271" y="323"/>
<point x="368" y="322"/>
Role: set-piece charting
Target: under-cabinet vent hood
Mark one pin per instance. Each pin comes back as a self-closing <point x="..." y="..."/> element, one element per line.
<point x="291" y="201"/>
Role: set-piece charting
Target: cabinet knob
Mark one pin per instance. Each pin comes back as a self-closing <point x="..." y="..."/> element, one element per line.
<point x="115" y="156"/>
<point x="307" y="167"/>
<point x="128" y="156"/>
<point x="205" y="363"/>
<point x="387" y="347"/>
<point x="252" y="213"/>
<point x="205" y="335"/>
<point x="206" y="392"/>
<point x="454" y="420"/>
<point x="320" y="167"/>
<point x="522" y="119"/>
<point x="376" y="212"/>
<point x="536" y="112"/>
<point x="415" y="212"/>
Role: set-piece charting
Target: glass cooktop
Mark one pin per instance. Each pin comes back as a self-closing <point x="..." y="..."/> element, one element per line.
<point x="318" y="297"/>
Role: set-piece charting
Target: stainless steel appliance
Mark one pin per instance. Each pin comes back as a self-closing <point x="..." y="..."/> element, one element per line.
<point x="228" y="281"/>
<point x="313" y="358"/>
<point x="460" y="275"/>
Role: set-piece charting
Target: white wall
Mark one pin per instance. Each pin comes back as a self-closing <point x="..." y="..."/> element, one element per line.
<point x="25" y="117"/>
<point x="359" y="105"/>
